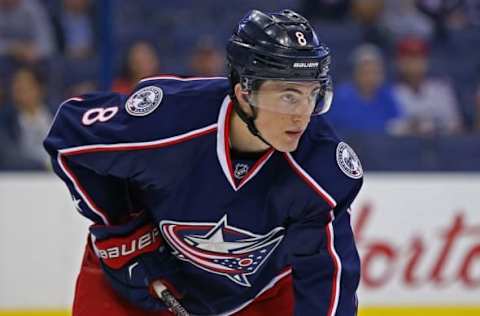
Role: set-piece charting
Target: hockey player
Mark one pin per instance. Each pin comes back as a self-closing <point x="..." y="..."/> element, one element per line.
<point x="232" y="193"/>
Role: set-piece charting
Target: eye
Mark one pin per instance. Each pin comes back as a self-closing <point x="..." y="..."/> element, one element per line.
<point x="289" y="98"/>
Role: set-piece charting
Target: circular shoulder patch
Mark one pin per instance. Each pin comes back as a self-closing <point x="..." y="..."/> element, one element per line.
<point x="144" y="101"/>
<point x="348" y="161"/>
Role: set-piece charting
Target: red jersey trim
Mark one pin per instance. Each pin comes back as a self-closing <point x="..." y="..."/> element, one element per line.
<point x="310" y="181"/>
<point x="223" y="148"/>
<point x="337" y="263"/>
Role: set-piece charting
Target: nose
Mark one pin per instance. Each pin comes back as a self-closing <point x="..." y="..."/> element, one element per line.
<point x="304" y="108"/>
<point x="300" y="119"/>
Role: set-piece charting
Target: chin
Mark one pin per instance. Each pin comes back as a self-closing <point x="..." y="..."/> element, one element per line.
<point x="286" y="147"/>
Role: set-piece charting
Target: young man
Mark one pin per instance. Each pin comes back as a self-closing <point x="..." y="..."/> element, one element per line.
<point x="234" y="194"/>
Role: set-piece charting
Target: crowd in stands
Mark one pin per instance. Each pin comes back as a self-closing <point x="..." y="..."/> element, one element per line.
<point x="406" y="73"/>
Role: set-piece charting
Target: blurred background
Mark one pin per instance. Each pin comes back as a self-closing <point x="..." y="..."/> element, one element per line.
<point x="407" y="98"/>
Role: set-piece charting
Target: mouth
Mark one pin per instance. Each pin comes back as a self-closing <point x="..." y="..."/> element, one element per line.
<point x="294" y="133"/>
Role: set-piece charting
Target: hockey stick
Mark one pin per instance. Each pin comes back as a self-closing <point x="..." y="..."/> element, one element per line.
<point x="169" y="300"/>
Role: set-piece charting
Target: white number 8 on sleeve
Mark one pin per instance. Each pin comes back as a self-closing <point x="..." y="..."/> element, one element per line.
<point x="99" y="115"/>
<point x="301" y="38"/>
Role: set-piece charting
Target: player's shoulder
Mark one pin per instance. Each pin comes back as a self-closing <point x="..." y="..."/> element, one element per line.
<point x="180" y="92"/>
<point x="158" y="108"/>
<point x="329" y="162"/>
<point x="175" y="104"/>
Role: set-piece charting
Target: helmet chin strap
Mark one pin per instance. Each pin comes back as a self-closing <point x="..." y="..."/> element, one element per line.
<point x="250" y="120"/>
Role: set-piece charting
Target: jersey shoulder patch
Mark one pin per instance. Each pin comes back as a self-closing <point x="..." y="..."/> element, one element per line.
<point x="144" y="101"/>
<point x="348" y="161"/>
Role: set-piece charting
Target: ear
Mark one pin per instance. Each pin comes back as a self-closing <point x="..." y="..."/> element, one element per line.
<point x="242" y="99"/>
<point x="239" y="93"/>
<point x="241" y="96"/>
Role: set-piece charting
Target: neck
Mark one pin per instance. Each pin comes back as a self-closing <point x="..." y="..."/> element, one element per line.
<point x="241" y="139"/>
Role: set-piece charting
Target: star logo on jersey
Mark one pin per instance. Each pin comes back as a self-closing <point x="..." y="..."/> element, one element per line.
<point x="144" y="101"/>
<point x="76" y="203"/>
<point x="220" y="248"/>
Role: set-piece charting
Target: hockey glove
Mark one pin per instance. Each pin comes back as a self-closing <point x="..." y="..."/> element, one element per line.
<point x="132" y="257"/>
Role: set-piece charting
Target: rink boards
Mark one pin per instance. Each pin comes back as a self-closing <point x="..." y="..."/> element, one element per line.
<point x="418" y="236"/>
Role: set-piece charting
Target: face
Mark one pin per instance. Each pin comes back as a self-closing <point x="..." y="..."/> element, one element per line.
<point x="369" y="75"/>
<point x="207" y="62"/>
<point x="76" y="6"/>
<point x="413" y="68"/>
<point x="284" y="110"/>
<point x="26" y="90"/>
<point x="9" y="4"/>
<point x="367" y="11"/>
<point x="143" y="61"/>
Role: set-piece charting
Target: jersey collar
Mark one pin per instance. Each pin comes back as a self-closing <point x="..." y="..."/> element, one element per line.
<point x="223" y="148"/>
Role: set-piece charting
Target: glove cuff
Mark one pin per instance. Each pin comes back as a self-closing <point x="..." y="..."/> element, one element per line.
<point x="115" y="252"/>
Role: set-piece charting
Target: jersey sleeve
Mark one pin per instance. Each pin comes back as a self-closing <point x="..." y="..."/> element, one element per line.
<point x="325" y="262"/>
<point x="98" y="150"/>
<point x="80" y="143"/>
<point x="323" y="255"/>
<point x="102" y="143"/>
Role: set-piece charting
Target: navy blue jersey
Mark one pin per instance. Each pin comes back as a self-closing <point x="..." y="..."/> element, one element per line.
<point x="165" y="150"/>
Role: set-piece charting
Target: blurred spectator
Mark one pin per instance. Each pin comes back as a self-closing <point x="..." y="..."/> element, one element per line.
<point x="25" y="31"/>
<point x="77" y="28"/>
<point x="367" y="103"/>
<point x="451" y="14"/>
<point x="331" y="10"/>
<point x="30" y="120"/>
<point x="142" y="61"/>
<point x="79" y="88"/>
<point x="439" y="11"/>
<point x="402" y="18"/>
<point x="207" y="60"/>
<point x="472" y="9"/>
<point x="429" y="104"/>
<point x="3" y="113"/>
<point x="368" y="13"/>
